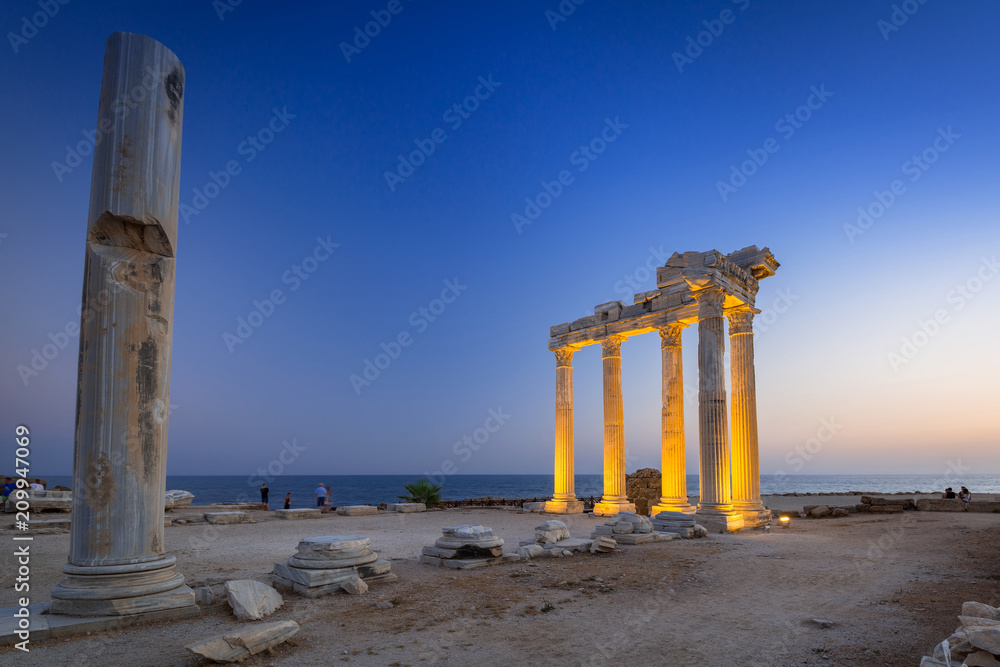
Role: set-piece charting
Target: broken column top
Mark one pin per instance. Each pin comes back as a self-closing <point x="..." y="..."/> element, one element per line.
<point x="139" y="144"/>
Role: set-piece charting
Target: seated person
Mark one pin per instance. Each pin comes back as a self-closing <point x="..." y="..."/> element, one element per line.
<point x="965" y="495"/>
<point x="948" y="494"/>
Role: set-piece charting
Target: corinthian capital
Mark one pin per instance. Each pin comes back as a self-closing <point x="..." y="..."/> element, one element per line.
<point x="670" y="335"/>
<point x="564" y="356"/>
<point x="709" y="302"/>
<point x="612" y="346"/>
<point x="740" y="322"/>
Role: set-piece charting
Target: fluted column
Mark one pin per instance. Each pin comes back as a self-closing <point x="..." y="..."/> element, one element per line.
<point x="674" y="474"/>
<point x="614" y="499"/>
<point x="746" y="462"/>
<point x="118" y="563"/>
<point x="564" y="499"/>
<point x="715" y="504"/>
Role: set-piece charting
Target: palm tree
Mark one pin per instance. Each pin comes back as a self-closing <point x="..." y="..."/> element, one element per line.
<point x="422" y="492"/>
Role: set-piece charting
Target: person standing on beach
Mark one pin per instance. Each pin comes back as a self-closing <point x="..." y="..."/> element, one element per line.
<point x="264" y="491"/>
<point x="288" y="500"/>
<point x="320" y="495"/>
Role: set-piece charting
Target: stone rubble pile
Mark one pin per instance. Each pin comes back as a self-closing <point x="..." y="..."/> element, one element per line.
<point x="464" y="547"/>
<point x="643" y="488"/>
<point x="324" y="565"/>
<point x="603" y="545"/>
<point x="552" y="538"/>
<point x="679" y="524"/>
<point x="630" y="528"/>
<point x="975" y="643"/>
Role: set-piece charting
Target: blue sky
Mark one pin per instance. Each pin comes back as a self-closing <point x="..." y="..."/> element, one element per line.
<point x="847" y="332"/>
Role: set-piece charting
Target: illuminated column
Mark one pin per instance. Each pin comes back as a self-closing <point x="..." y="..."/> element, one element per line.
<point x="564" y="499"/>
<point x="674" y="475"/>
<point x="746" y="462"/>
<point x="715" y="508"/>
<point x="614" y="500"/>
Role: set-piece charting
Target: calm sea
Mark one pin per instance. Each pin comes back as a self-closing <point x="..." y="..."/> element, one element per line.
<point x="374" y="489"/>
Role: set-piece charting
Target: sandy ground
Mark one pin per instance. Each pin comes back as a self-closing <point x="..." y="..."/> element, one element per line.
<point x="891" y="584"/>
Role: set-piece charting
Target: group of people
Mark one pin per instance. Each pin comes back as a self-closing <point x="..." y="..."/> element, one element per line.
<point x="964" y="495"/>
<point x="322" y="495"/>
<point x="9" y="485"/>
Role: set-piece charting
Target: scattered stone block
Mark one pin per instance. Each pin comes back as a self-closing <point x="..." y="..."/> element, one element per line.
<point x="321" y="565"/>
<point x="980" y="659"/>
<point x="980" y="610"/>
<point x="176" y="499"/>
<point x="533" y="507"/>
<point x="251" y="600"/>
<point x="407" y="508"/>
<point x="354" y="586"/>
<point x="219" y="518"/>
<point x="985" y="637"/>
<point x="357" y="510"/>
<point x="204" y="596"/>
<point x="296" y="514"/>
<point x="245" y="642"/>
<point x="529" y="551"/>
<point x="839" y="512"/>
<point x="644" y="538"/>
<point x="603" y="545"/>
<point x="819" y="511"/>
<point x="677" y="523"/>
<point x="551" y="532"/>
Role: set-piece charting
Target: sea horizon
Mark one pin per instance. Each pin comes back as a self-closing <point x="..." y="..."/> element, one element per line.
<point x="359" y="489"/>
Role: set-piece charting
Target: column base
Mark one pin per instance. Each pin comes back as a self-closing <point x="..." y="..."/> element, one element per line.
<point x="564" y="506"/>
<point x="672" y="505"/>
<point x="719" y="522"/>
<point x="606" y="508"/>
<point x="120" y="590"/>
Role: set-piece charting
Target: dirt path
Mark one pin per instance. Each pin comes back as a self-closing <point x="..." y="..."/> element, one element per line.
<point x="891" y="585"/>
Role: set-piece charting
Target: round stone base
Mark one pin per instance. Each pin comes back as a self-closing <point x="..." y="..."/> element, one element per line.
<point x="119" y="590"/>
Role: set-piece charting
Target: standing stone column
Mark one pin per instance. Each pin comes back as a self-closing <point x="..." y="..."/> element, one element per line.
<point x="674" y="473"/>
<point x="117" y="561"/>
<point x="564" y="499"/>
<point x="715" y="508"/>
<point x="614" y="499"/>
<point x="746" y="461"/>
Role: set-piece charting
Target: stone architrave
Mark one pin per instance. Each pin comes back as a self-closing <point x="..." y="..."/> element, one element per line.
<point x="715" y="507"/>
<point x="117" y="561"/>
<point x="564" y="500"/>
<point x="674" y="475"/>
<point x="746" y="465"/>
<point x="614" y="499"/>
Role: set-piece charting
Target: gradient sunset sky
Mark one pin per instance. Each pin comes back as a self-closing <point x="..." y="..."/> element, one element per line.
<point x="878" y="335"/>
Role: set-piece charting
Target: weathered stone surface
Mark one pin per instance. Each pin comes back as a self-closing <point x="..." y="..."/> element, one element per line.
<point x="643" y="488"/>
<point x="325" y="589"/>
<point x="462" y="552"/>
<point x="407" y="508"/>
<point x="980" y="659"/>
<point x="468" y="537"/>
<point x="640" y="524"/>
<point x="533" y="507"/>
<point x="297" y="514"/>
<point x="227" y="517"/>
<point x="333" y="563"/>
<point x="48" y="626"/>
<point x="354" y="585"/>
<point x="643" y="538"/>
<point x="980" y="610"/>
<point x="551" y="532"/>
<point x="819" y="511"/>
<point x="927" y="661"/>
<point x="329" y="547"/>
<point x="204" y="596"/>
<point x="245" y="642"/>
<point x="603" y="545"/>
<point x="977" y="621"/>
<point x="885" y="509"/>
<point x="699" y="531"/>
<point x="986" y="637"/>
<point x="983" y="506"/>
<point x="357" y="510"/>
<point x="314" y="577"/>
<point x="530" y="551"/>
<point x="839" y="512"/>
<point x="251" y="600"/>
<point x="176" y="499"/>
